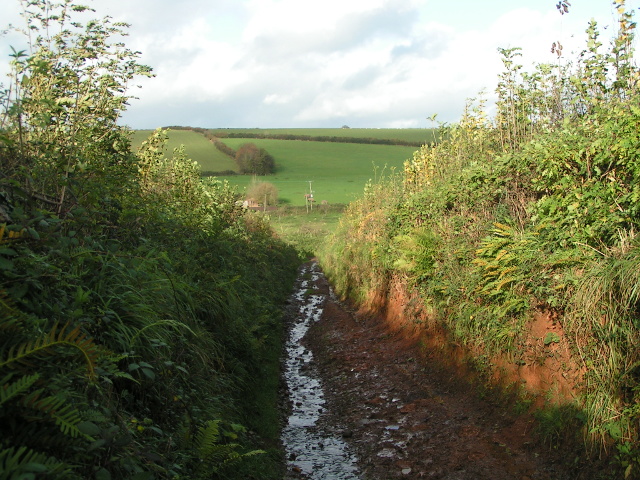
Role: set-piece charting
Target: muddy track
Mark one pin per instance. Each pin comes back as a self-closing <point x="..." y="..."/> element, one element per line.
<point x="401" y="415"/>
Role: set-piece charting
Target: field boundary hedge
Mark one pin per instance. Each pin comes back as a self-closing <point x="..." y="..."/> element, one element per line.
<point x="309" y="138"/>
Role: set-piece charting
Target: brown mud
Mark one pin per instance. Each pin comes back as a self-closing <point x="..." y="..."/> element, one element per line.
<point x="404" y="413"/>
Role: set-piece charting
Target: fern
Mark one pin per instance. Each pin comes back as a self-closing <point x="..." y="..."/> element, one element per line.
<point x="23" y="463"/>
<point x="502" y="230"/>
<point x="214" y="454"/>
<point x="65" y="416"/>
<point x="46" y="346"/>
<point x="498" y="260"/>
<point x="11" y="390"/>
<point x="504" y="282"/>
<point x="11" y="318"/>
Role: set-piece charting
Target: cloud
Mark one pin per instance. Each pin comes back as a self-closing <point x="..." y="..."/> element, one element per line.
<point x="280" y="30"/>
<point x="370" y="63"/>
<point x="362" y="78"/>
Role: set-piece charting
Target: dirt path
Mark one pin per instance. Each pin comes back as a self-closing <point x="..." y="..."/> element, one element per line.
<point x="403" y="417"/>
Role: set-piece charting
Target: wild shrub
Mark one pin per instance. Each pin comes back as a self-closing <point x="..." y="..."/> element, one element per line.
<point x="138" y="304"/>
<point x="253" y="160"/>
<point x="532" y="210"/>
<point x="263" y="192"/>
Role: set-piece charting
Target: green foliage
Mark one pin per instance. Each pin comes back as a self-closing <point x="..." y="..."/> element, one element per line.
<point x="414" y="253"/>
<point x="253" y="160"/>
<point x="532" y="212"/>
<point x="359" y="242"/>
<point x="586" y="176"/>
<point x="23" y="354"/>
<point x="25" y="464"/>
<point x="263" y="192"/>
<point x="137" y="301"/>
<point x="558" y="423"/>
<point x="604" y="310"/>
<point x="70" y="84"/>
<point x="215" y="449"/>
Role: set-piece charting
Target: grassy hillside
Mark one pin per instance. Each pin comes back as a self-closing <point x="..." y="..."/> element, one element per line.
<point x="197" y="148"/>
<point x="338" y="171"/>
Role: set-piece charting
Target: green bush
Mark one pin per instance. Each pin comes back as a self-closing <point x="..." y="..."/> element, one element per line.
<point x="532" y="211"/>
<point x="139" y="305"/>
<point x="254" y="160"/>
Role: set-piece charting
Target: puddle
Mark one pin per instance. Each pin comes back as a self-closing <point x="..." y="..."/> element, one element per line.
<point x="311" y="452"/>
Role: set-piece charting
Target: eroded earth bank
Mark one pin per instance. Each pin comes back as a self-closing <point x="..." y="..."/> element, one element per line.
<point x="366" y="403"/>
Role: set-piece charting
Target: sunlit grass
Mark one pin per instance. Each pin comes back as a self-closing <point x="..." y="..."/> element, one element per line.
<point x="197" y="148"/>
<point x="337" y="171"/>
<point x="305" y="230"/>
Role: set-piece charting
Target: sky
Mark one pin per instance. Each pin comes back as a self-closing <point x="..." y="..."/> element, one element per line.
<point x="329" y="63"/>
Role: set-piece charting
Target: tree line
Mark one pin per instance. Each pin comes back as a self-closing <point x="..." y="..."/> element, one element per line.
<point x="249" y="158"/>
<point x="319" y="138"/>
<point x="217" y="133"/>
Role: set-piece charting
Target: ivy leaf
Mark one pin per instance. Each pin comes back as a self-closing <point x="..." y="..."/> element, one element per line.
<point x="34" y="234"/>
<point x="143" y="476"/>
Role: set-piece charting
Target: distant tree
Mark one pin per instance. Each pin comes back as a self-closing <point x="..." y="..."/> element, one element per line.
<point x="265" y="163"/>
<point x="345" y="126"/>
<point x="253" y="160"/>
<point x="244" y="155"/>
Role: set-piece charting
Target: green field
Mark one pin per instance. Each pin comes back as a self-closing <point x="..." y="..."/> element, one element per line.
<point x="303" y="229"/>
<point x="422" y="135"/>
<point x="197" y="148"/>
<point x="337" y="171"/>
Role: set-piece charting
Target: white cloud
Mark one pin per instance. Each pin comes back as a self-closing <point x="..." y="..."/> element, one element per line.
<point x="371" y="63"/>
<point x="275" y="99"/>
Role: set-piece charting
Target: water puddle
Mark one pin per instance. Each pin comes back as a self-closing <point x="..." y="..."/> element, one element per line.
<point x="311" y="452"/>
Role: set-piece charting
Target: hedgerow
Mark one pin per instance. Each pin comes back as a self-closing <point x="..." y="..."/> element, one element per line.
<point x="139" y="305"/>
<point x="532" y="211"/>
